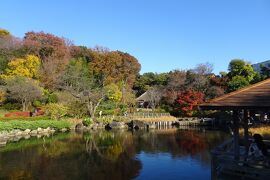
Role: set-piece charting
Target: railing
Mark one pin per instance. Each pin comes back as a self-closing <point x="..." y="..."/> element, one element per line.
<point x="147" y="114"/>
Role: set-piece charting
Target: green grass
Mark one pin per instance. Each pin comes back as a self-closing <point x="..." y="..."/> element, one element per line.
<point x="25" y="118"/>
<point x="30" y="124"/>
<point x="3" y="112"/>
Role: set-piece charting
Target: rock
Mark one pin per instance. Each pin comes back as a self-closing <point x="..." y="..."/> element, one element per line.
<point x="33" y="132"/>
<point x="52" y="131"/>
<point x="116" y="125"/>
<point x="79" y="126"/>
<point x="39" y="130"/>
<point x="47" y="130"/>
<point x="138" y="124"/>
<point x="63" y="130"/>
<point x="19" y="133"/>
<point x="27" y="136"/>
<point x="16" y="138"/>
<point x="151" y="126"/>
<point x="3" y="143"/>
<point x="27" y="131"/>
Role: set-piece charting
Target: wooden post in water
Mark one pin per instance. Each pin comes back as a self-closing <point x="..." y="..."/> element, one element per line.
<point x="246" y="131"/>
<point x="236" y="134"/>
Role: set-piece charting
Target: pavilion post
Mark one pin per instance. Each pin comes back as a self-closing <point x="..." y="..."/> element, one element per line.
<point x="236" y="134"/>
<point x="246" y="131"/>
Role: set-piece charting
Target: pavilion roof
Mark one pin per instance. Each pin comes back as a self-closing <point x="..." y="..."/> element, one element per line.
<point x="256" y="96"/>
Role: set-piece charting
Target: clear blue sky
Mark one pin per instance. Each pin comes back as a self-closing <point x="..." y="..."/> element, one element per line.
<point x="162" y="34"/>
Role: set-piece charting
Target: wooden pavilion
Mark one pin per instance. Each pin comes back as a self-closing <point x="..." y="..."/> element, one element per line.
<point x="254" y="97"/>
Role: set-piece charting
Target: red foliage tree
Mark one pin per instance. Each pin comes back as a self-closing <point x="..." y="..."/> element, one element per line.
<point x="187" y="101"/>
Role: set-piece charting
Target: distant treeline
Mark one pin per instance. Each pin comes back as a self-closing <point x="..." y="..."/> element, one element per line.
<point x="44" y="70"/>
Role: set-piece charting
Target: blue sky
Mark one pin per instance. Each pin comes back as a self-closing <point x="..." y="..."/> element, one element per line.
<point x="162" y="34"/>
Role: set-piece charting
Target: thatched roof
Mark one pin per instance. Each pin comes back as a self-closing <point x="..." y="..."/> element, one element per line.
<point x="256" y="96"/>
<point x="144" y="97"/>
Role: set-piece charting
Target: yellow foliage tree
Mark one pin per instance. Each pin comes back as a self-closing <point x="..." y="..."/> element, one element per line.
<point x="23" y="67"/>
<point x="2" y="96"/>
<point x="113" y="92"/>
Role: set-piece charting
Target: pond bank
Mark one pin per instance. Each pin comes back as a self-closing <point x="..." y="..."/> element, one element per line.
<point x="17" y="129"/>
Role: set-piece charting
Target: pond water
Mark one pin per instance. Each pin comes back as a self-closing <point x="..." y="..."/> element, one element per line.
<point x="113" y="155"/>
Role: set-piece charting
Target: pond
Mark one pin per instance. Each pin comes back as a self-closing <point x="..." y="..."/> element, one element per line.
<point x="114" y="155"/>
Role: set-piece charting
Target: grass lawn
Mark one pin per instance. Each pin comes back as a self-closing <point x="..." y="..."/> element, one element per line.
<point x="3" y="112"/>
<point x="31" y="124"/>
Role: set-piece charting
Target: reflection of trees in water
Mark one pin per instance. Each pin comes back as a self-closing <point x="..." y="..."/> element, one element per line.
<point x="102" y="154"/>
<point x="180" y="143"/>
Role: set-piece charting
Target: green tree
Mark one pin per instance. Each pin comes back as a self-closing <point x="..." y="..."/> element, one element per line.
<point x="78" y="82"/>
<point x="237" y="82"/>
<point x="238" y="67"/>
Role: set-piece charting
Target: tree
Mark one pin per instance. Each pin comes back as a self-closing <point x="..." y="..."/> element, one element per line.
<point x="240" y="74"/>
<point x="24" y="90"/>
<point x="25" y="67"/>
<point x="177" y="80"/>
<point x="188" y="101"/>
<point x="147" y="80"/>
<point x="113" y="93"/>
<point x="237" y="82"/>
<point x="78" y="82"/>
<point x="4" y="32"/>
<point x="46" y="45"/>
<point x="204" y="69"/>
<point x="2" y="95"/>
<point x="238" y="67"/>
<point x="155" y="94"/>
<point x="265" y="71"/>
<point x="53" y="52"/>
<point x="114" y="67"/>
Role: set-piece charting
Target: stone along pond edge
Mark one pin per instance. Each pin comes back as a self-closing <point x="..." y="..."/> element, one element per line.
<point x="15" y="130"/>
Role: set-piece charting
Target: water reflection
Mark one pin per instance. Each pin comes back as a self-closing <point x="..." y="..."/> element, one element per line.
<point x="111" y="155"/>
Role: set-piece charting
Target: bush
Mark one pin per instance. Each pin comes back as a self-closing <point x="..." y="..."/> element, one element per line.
<point x="52" y="98"/>
<point x="77" y="109"/>
<point x="87" y="121"/>
<point x="55" y="110"/>
<point x="37" y="103"/>
<point x="12" y="106"/>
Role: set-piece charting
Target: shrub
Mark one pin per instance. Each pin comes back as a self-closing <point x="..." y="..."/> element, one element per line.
<point x="52" y="98"/>
<point x="12" y="106"/>
<point x="87" y="121"/>
<point x="77" y="109"/>
<point x="55" y="110"/>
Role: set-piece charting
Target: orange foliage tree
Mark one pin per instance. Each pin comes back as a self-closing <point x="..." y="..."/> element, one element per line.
<point x="187" y="101"/>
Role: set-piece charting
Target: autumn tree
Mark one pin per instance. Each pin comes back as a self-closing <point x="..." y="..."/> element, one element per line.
<point x="2" y="95"/>
<point x="24" y="67"/>
<point x="53" y="52"/>
<point x="113" y="67"/>
<point x="23" y="90"/>
<point x="113" y="92"/>
<point x="188" y="101"/>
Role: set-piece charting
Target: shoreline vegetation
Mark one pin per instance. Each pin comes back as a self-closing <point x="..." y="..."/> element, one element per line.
<point x="262" y="130"/>
<point x="69" y="85"/>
